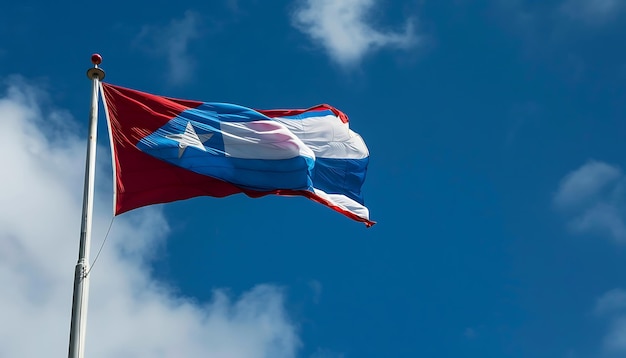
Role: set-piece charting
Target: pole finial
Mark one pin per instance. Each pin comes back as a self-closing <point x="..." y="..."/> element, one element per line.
<point x="95" y="72"/>
<point x="96" y="59"/>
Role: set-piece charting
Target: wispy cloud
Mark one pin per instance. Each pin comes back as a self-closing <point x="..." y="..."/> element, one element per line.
<point x="585" y="184"/>
<point x="343" y="29"/>
<point x="592" y="11"/>
<point x="470" y="333"/>
<point x="584" y="12"/>
<point x="559" y="33"/>
<point x="316" y="288"/>
<point x="593" y="197"/>
<point x="615" y="340"/>
<point x="611" y="302"/>
<point x="233" y="5"/>
<point x="172" y="41"/>
<point x="130" y="314"/>
<point x="612" y="305"/>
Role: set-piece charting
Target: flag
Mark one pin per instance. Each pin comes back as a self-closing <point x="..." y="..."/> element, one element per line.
<point x="166" y="149"/>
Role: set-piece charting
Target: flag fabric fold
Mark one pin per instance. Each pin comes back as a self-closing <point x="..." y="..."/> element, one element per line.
<point x="166" y="149"/>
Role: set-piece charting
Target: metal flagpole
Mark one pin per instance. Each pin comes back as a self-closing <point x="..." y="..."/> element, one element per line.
<point x="81" y="280"/>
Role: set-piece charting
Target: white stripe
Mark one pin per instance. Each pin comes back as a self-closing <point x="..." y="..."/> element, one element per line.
<point x="345" y="203"/>
<point x="262" y="140"/>
<point x="328" y="137"/>
<point x="111" y="146"/>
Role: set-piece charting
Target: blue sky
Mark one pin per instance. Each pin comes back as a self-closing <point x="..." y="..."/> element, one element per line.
<point x="496" y="133"/>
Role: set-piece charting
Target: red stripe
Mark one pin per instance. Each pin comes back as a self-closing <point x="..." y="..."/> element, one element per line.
<point x="272" y="113"/>
<point x="325" y="202"/>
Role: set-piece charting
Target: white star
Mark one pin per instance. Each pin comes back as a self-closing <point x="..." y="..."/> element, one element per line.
<point x="189" y="139"/>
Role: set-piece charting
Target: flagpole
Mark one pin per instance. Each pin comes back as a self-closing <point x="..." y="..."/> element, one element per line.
<point x="81" y="279"/>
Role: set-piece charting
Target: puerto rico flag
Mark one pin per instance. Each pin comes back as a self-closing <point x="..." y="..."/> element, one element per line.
<point x="166" y="149"/>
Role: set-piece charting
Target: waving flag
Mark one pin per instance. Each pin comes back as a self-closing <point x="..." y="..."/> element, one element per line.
<point x="167" y="149"/>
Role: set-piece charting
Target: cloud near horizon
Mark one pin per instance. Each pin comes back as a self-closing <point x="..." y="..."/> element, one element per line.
<point x="342" y="29"/>
<point x="130" y="313"/>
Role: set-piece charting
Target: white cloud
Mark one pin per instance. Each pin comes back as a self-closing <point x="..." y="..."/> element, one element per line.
<point x="604" y="218"/>
<point x="592" y="11"/>
<point x="585" y="184"/>
<point x="130" y="314"/>
<point x="615" y="340"/>
<point x="172" y="41"/>
<point x="612" y="305"/>
<point x="342" y="29"/>
<point x="593" y="199"/>
<point x="611" y="302"/>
